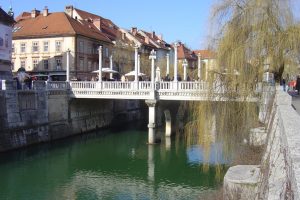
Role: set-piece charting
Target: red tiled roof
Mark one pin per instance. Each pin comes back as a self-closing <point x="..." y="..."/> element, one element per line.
<point x="184" y="53"/>
<point x="22" y="16"/>
<point x="205" y="54"/>
<point x="156" y="40"/>
<point x="107" y="26"/>
<point x="56" y="24"/>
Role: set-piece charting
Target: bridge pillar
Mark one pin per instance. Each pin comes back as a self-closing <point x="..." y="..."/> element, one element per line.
<point x="151" y="125"/>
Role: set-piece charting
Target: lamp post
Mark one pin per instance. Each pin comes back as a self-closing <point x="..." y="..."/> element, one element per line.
<point x="152" y="57"/>
<point x="68" y="66"/>
<point x="199" y="66"/>
<point x="168" y="64"/>
<point x="100" y="65"/>
<point x="184" y="64"/>
<point x="136" y="78"/>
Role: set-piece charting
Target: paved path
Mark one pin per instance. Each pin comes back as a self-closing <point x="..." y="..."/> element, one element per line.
<point x="296" y="103"/>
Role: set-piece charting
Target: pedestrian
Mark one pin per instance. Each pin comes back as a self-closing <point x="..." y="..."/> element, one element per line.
<point x="298" y="84"/>
<point x="283" y="84"/>
<point x="21" y="76"/>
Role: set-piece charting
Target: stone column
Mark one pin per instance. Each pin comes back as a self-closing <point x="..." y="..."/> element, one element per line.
<point x="136" y="76"/>
<point x="68" y="66"/>
<point x="199" y="66"/>
<point x="139" y="63"/>
<point x="152" y="57"/>
<point x="111" y="65"/>
<point x="151" y="125"/>
<point x="100" y="65"/>
<point x="184" y="64"/>
<point x="168" y="65"/>
<point x="175" y="62"/>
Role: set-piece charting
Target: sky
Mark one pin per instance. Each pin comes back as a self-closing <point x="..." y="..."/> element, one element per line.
<point x="187" y="20"/>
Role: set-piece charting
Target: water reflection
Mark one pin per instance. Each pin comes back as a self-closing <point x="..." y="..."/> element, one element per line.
<point x="111" y="166"/>
<point x="151" y="165"/>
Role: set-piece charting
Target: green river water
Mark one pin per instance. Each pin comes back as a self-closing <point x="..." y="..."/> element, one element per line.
<point x="110" y="165"/>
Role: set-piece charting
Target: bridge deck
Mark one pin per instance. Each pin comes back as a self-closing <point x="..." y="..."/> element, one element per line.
<point x="183" y="90"/>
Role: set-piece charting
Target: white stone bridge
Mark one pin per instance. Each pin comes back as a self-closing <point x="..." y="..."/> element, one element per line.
<point x="144" y="90"/>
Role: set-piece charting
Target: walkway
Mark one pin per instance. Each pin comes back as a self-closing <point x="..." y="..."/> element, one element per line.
<point x="296" y="103"/>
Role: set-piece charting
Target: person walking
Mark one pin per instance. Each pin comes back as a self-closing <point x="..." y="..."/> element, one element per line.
<point x="283" y="82"/>
<point x="298" y="84"/>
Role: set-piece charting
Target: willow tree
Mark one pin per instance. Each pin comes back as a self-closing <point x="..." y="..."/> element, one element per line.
<point x="249" y="36"/>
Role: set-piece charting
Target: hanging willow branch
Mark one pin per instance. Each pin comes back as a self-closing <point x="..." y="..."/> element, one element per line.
<point x="248" y="35"/>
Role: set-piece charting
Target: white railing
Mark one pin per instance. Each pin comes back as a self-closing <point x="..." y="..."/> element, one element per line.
<point x="57" y="85"/>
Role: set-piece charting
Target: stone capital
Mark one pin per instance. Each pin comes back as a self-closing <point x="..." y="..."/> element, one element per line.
<point x="151" y="102"/>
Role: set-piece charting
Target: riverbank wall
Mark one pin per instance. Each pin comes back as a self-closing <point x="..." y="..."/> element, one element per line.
<point x="277" y="177"/>
<point x="34" y="116"/>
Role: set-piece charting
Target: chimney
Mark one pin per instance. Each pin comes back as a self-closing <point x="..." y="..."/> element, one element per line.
<point x="45" y="11"/>
<point x="69" y="10"/>
<point x="34" y="13"/>
<point x="97" y="23"/>
<point x="147" y="40"/>
<point x="123" y="36"/>
<point x="134" y="30"/>
<point x="153" y="34"/>
<point x="160" y="37"/>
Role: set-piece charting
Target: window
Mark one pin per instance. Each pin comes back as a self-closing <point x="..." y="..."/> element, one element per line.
<point x="35" y="63"/>
<point x="58" y="46"/>
<point x="46" y="46"/>
<point x="81" y="47"/>
<point x="13" y="48"/>
<point x="23" y="63"/>
<point x="35" y="47"/>
<point x="12" y="64"/>
<point x="58" y="63"/>
<point x="81" y="63"/>
<point x="23" y="47"/>
<point x="89" y="48"/>
<point x="46" y="64"/>
<point x="89" y="65"/>
<point x="106" y="52"/>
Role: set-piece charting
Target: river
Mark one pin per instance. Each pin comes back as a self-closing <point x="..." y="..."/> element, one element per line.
<point x="111" y="164"/>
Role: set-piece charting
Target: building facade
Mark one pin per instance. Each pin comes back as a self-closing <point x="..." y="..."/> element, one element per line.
<point x="185" y="54"/>
<point x="41" y="41"/>
<point x="6" y="23"/>
<point x="208" y="62"/>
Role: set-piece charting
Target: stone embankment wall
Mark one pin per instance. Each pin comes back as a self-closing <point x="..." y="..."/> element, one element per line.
<point x="278" y="175"/>
<point x="34" y="116"/>
<point x="280" y="168"/>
